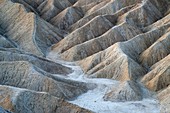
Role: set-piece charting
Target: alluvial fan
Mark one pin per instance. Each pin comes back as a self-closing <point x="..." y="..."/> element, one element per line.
<point x="84" y="56"/>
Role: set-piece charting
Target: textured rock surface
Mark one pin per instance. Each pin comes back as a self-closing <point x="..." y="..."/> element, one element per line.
<point x="4" y="111"/>
<point x="164" y="97"/>
<point x="25" y="29"/>
<point x="158" y="78"/>
<point x="127" y="91"/>
<point x="127" y="41"/>
<point x="42" y="63"/>
<point x="26" y="101"/>
<point x="22" y="74"/>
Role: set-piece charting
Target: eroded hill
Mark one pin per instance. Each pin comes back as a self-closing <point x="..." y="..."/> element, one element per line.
<point x="125" y="41"/>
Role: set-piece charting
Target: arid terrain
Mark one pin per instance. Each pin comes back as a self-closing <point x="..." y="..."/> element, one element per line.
<point x="84" y="56"/>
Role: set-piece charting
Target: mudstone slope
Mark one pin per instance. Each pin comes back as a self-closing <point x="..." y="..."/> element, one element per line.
<point x="124" y="41"/>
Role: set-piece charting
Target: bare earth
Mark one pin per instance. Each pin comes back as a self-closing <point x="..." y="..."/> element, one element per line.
<point x="84" y="56"/>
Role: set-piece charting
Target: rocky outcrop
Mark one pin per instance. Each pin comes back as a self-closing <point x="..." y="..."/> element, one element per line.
<point x="113" y="18"/>
<point x="118" y="33"/>
<point x="24" y="75"/>
<point x="158" y="78"/>
<point x="127" y="41"/>
<point x="25" y="29"/>
<point x="127" y="91"/>
<point x="156" y="52"/>
<point x="164" y="97"/>
<point x="42" y="63"/>
<point x="112" y="63"/>
<point x="131" y="49"/>
<point x="67" y="17"/>
<point x="26" y="101"/>
<point x="92" y="29"/>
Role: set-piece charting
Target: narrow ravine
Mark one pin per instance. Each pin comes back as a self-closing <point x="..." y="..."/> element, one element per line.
<point x="93" y="99"/>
